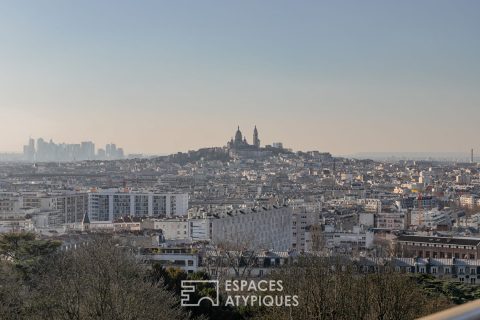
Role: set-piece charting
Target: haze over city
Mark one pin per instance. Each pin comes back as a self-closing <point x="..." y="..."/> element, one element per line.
<point x="241" y="160"/>
<point x="161" y="77"/>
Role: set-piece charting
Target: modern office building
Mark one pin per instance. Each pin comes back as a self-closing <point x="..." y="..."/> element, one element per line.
<point x="29" y="151"/>
<point x="65" y="152"/>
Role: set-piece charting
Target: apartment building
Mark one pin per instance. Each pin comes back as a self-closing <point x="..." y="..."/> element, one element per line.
<point x="459" y="270"/>
<point x="431" y="219"/>
<point x="462" y="270"/>
<point x="391" y="221"/>
<point x="107" y="205"/>
<point x="469" y="201"/>
<point x="172" y="229"/>
<point x="301" y="220"/>
<point x="419" y="202"/>
<point x="185" y="259"/>
<point x="356" y="239"/>
<point x="370" y="205"/>
<point x="257" y="228"/>
<point x="439" y="247"/>
<point x="69" y="206"/>
<point x="260" y="264"/>
<point x="10" y="205"/>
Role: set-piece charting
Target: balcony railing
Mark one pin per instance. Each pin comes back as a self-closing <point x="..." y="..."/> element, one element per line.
<point x="467" y="311"/>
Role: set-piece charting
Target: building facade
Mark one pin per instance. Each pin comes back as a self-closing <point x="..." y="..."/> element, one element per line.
<point x="107" y="205"/>
<point x="439" y="247"/>
<point x="172" y="229"/>
<point x="257" y="228"/>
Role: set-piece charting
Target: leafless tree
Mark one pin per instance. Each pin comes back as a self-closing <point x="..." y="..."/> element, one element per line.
<point x="318" y="238"/>
<point x="336" y="288"/>
<point x="101" y="280"/>
<point x="12" y="293"/>
<point x="235" y="256"/>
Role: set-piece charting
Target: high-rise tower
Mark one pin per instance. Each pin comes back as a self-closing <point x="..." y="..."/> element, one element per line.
<point x="256" y="141"/>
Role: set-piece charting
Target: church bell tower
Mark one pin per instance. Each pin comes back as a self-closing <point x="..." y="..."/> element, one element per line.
<point x="256" y="141"/>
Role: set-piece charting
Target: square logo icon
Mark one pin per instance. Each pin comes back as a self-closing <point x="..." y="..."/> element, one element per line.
<point x="195" y="292"/>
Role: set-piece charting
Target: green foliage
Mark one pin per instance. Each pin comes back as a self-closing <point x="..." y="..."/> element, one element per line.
<point x="25" y="251"/>
<point x="102" y="280"/>
<point x="20" y="247"/>
<point x="456" y="292"/>
<point x="172" y="278"/>
<point x="99" y="280"/>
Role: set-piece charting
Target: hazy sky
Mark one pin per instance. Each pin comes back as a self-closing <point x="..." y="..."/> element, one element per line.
<point x="166" y="76"/>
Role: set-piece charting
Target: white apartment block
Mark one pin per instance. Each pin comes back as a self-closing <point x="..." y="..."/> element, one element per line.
<point x="55" y="209"/>
<point x="391" y="221"/>
<point x="469" y="201"/>
<point x="199" y="228"/>
<point x="16" y="225"/>
<point x="107" y="205"/>
<point x="301" y="220"/>
<point x="342" y="239"/>
<point x="257" y="228"/>
<point x="172" y="229"/>
<point x="10" y="206"/>
<point x="182" y="258"/>
<point x="430" y="219"/>
<point x="358" y="239"/>
<point x="370" y="205"/>
<point x="350" y="201"/>
<point x="70" y="206"/>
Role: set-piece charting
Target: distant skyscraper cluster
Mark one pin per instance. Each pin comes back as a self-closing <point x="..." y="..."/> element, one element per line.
<point x="44" y="151"/>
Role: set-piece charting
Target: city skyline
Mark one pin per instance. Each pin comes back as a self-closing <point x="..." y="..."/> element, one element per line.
<point x="254" y="159"/>
<point x="100" y="151"/>
<point x="158" y="78"/>
<point x="42" y="150"/>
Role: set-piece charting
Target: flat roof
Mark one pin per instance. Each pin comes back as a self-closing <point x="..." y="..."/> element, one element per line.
<point x="441" y="240"/>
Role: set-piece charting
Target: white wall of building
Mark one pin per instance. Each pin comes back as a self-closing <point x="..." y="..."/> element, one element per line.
<point x="107" y="205"/>
<point x="263" y="229"/>
<point x="172" y="229"/>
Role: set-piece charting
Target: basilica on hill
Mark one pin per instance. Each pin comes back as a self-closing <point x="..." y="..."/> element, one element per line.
<point x="240" y="142"/>
<point x="239" y="148"/>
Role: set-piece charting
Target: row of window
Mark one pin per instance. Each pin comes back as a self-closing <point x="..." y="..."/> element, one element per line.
<point x="421" y="244"/>
<point x="446" y="255"/>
